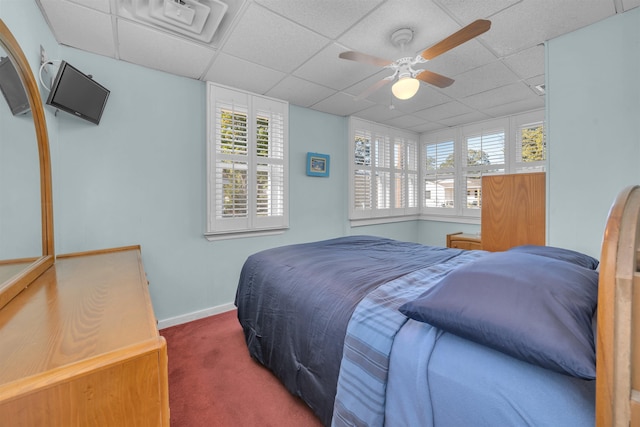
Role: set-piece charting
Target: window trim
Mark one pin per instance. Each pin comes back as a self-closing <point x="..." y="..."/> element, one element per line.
<point x="252" y="224"/>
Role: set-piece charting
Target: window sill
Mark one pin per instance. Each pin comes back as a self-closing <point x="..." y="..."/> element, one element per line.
<point x="382" y="220"/>
<point x="454" y="219"/>
<point x="212" y="237"/>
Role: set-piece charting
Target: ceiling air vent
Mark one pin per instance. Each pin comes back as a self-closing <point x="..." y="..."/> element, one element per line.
<point x="195" y="19"/>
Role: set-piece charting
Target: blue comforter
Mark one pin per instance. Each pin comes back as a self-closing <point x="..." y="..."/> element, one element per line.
<point x="295" y="302"/>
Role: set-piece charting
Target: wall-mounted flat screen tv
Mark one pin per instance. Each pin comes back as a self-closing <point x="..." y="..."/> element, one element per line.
<point x="78" y="94"/>
<point x="12" y="89"/>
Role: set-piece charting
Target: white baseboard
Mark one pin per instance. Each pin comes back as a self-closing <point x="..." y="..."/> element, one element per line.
<point x="195" y="315"/>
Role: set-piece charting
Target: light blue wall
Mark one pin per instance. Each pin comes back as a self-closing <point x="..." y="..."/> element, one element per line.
<point x="593" y="114"/>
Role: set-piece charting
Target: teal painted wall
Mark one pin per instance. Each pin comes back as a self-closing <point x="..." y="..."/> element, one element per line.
<point x="593" y="127"/>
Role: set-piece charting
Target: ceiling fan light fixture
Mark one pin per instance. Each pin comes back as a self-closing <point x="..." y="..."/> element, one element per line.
<point x="405" y="87"/>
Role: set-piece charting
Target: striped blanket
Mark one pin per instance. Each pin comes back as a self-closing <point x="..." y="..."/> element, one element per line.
<point x="360" y="398"/>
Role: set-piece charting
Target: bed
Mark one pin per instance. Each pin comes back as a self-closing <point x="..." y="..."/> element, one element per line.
<point x="371" y="331"/>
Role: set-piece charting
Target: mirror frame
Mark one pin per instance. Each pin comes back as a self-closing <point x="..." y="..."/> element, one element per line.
<point x="12" y="287"/>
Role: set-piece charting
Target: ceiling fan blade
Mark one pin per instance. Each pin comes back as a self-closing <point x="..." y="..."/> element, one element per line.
<point x="456" y="39"/>
<point x="434" y="78"/>
<point x="367" y="59"/>
<point x="374" y="87"/>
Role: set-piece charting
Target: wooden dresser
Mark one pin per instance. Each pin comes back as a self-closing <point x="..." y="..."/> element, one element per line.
<point x="80" y="347"/>
<point x="513" y="210"/>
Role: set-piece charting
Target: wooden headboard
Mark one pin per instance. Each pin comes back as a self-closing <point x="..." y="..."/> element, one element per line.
<point x="617" y="343"/>
<point x="513" y="210"/>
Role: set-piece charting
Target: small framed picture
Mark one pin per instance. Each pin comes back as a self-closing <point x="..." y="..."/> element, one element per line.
<point x="317" y="164"/>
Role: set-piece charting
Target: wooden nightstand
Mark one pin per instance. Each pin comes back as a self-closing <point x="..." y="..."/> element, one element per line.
<point x="464" y="241"/>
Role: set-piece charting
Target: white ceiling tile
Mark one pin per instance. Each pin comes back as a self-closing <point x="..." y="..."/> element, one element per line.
<point x="461" y="59"/>
<point x="471" y="117"/>
<point x="427" y="126"/>
<point x="372" y="35"/>
<point x="443" y="111"/>
<point x="528" y="62"/>
<point x="481" y="79"/>
<point x="300" y="92"/>
<point x="498" y="96"/>
<point x="273" y="41"/>
<point x="327" y="17"/>
<point x="238" y="73"/>
<point x="404" y="121"/>
<point x="630" y="4"/>
<point x="529" y="23"/>
<point x="91" y="30"/>
<point x="468" y="11"/>
<point x="101" y="5"/>
<point x="161" y="51"/>
<point x="327" y="69"/>
<point x="379" y="113"/>
<point x="342" y="104"/>
<point x="521" y="106"/>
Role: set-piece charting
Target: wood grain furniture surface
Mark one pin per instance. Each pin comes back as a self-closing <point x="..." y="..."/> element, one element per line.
<point x="513" y="210"/>
<point x="80" y="347"/>
<point x="618" y="333"/>
<point x="464" y="241"/>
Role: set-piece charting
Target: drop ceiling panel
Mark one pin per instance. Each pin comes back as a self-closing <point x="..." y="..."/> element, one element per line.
<point x="499" y="96"/>
<point x="527" y="63"/>
<point x="270" y="40"/>
<point x="630" y="4"/>
<point x="161" y="51"/>
<point x="517" y="107"/>
<point x="342" y="104"/>
<point x="444" y="111"/>
<point x="481" y="79"/>
<point x="91" y="30"/>
<point x="471" y="117"/>
<point x="327" y="69"/>
<point x="101" y="5"/>
<point x="379" y="113"/>
<point x="463" y="58"/>
<point x="514" y="29"/>
<point x="236" y="72"/>
<point x="403" y="122"/>
<point x="468" y="11"/>
<point x="300" y="92"/>
<point x="327" y="17"/>
<point x="372" y="35"/>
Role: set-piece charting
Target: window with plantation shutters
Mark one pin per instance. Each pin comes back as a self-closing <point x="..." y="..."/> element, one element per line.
<point x="247" y="163"/>
<point x="454" y="161"/>
<point x="383" y="170"/>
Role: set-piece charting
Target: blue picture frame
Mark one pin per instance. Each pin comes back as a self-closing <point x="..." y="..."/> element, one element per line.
<point x="317" y="164"/>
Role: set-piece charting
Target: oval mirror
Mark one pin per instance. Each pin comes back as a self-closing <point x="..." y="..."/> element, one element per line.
<point x="26" y="210"/>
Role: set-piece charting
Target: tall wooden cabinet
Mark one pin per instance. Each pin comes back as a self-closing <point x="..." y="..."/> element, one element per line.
<point x="513" y="210"/>
<point x="80" y="347"/>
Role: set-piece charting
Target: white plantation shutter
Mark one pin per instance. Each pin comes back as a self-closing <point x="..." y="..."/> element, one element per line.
<point x="439" y="174"/>
<point x="484" y="155"/>
<point x="530" y="146"/>
<point x="247" y="162"/>
<point x="384" y="171"/>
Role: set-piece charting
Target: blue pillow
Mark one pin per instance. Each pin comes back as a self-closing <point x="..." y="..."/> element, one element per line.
<point x="534" y="308"/>
<point x="560" y="254"/>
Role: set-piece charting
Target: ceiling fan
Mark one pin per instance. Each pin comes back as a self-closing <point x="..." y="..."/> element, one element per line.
<point x="407" y="79"/>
